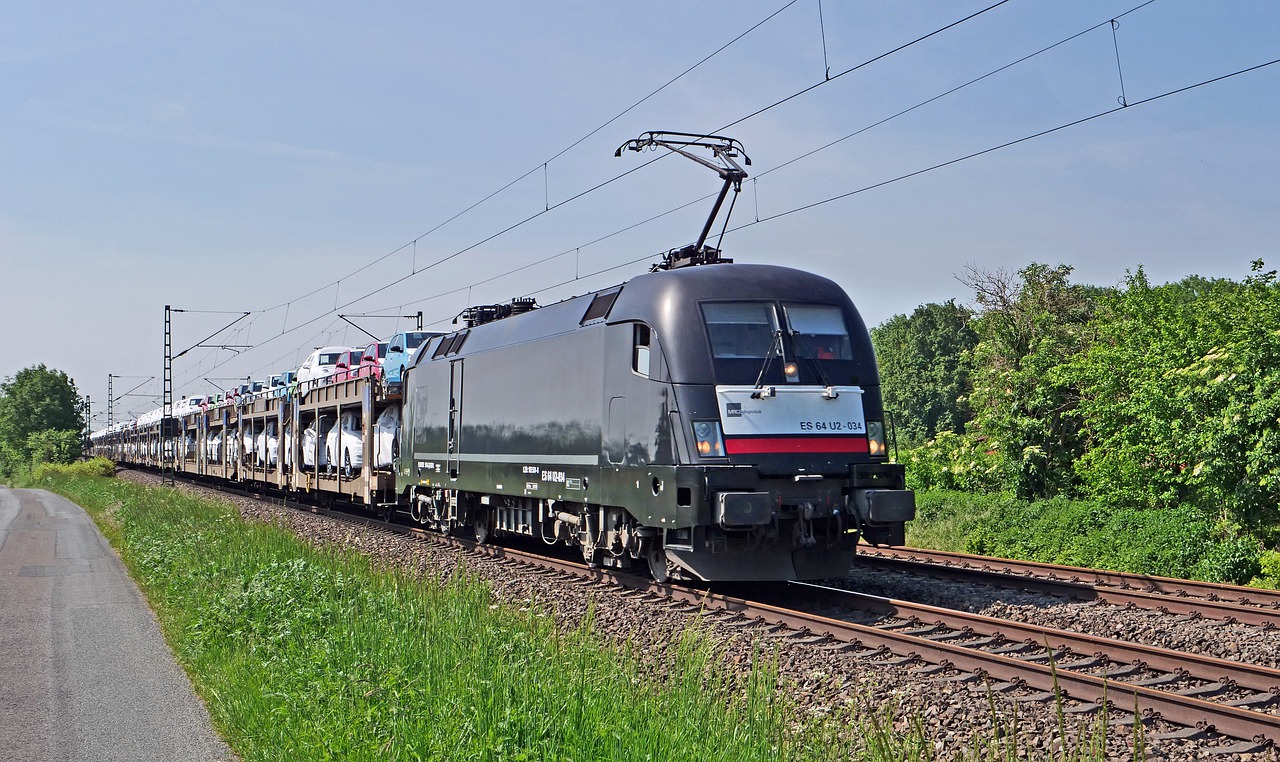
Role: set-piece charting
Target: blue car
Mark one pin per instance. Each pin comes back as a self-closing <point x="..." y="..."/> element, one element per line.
<point x="400" y="349"/>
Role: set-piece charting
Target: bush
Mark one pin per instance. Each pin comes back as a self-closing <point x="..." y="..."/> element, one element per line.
<point x="1235" y="560"/>
<point x="1177" y="542"/>
<point x="54" y="446"/>
<point x="955" y="462"/>
<point x="945" y="518"/>
<point x="1268" y="570"/>
<point x="98" y="466"/>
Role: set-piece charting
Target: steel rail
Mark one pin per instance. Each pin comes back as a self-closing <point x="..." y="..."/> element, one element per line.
<point x="1209" y="668"/>
<point x="1146" y="582"/>
<point x="1180" y="710"/>
<point x="1014" y="574"/>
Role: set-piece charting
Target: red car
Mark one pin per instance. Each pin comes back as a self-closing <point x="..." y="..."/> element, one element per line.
<point x="348" y="365"/>
<point x="371" y="360"/>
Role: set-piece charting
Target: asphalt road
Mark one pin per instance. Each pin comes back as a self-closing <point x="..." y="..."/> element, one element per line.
<point x="84" y="672"/>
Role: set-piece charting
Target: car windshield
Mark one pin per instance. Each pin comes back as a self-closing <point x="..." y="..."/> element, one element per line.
<point x="329" y="358"/>
<point x="414" y="340"/>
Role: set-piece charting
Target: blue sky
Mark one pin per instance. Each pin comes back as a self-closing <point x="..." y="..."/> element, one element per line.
<point x="247" y="156"/>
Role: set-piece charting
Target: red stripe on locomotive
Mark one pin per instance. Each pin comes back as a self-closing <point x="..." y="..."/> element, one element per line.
<point x="759" y="445"/>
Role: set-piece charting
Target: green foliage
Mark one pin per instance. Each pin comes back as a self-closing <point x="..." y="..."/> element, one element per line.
<point x="924" y="365"/>
<point x="1268" y="570"/>
<point x="1021" y="397"/>
<point x="1144" y="398"/>
<point x="945" y="519"/>
<point x="35" y="400"/>
<point x="303" y="654"/>
<point x="47" y="472"/>
<point x="955" y="462"/>
<point x="1181" y="541"/>
<point x="1181" y="397"/>
<point x="52" y="446"/>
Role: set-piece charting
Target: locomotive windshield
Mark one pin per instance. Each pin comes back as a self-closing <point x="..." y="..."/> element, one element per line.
<point x="819" y="331"/>
<point x="750" y="340"/>
<point x="740" y="329"/>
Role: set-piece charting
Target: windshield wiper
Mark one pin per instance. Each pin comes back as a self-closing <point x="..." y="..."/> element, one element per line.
<point x="775" y="346"/>
<point x="801" y="352"/>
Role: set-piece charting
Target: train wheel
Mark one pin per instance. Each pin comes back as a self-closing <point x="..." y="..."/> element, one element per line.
<point x="658" y="569"/>
<point x="481" y="528"/>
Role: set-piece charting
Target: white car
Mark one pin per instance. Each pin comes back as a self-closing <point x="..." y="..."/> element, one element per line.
<point x="344" y="444"/>
<point x="386" y="438"/>
<point x="286" y="446"/>
<point x="312" y="436"/>
<point x="248" y="438"/>
<point x="213" y="448"/>
<point x="319" y="367"/>
<point x="186" y="406"/>
<point x="264" y="446"/>
<point x="232" y="444"/>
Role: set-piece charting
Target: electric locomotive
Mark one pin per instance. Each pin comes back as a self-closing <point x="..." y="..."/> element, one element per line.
<point x="711" y="420"/>
<point x="719" y="422"/>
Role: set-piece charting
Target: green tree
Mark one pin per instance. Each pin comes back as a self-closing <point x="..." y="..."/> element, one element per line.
<point x="54" y="446"/>
<point x="925" y="364"/>
<point x="35" y="400"/>
<point x="1181" y="397"/>
<point x="1024" y="401"/>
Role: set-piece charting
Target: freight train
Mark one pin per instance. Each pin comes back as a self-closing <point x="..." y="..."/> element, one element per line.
<point x="719" y="422"/>
<point x="707" y="420"/>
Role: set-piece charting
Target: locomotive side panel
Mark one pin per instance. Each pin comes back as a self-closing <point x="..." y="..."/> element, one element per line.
<point x="523" y="419"/>
<point x="641" y="424"/>
<point x="531" y="418"/>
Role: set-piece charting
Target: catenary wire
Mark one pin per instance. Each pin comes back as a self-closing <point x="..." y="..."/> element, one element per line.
<point x="789" y="162"/>
<point x="604" y="183"/>
<point x="941" y="165"/>
<point x="876" y="185"/>
<point x="561" y="152"/>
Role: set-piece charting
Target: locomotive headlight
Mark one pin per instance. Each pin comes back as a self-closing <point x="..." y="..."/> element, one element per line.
<point x="875" y="439"/>
<point x="792" y="372"/>
<point x="707" y="436"/>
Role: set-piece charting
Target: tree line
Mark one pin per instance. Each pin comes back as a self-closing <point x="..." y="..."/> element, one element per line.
<point x="1140" y="396"/>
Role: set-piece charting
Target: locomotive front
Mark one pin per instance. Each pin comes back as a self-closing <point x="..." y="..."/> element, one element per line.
<point x="776" y="412"/>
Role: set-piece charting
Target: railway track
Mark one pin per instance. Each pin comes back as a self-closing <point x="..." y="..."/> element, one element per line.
<point x="1204" y="695"/>
<point x="1230" y="704"/>
<point x="1228" y="603"/>
<point x="1201" y="693"/>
